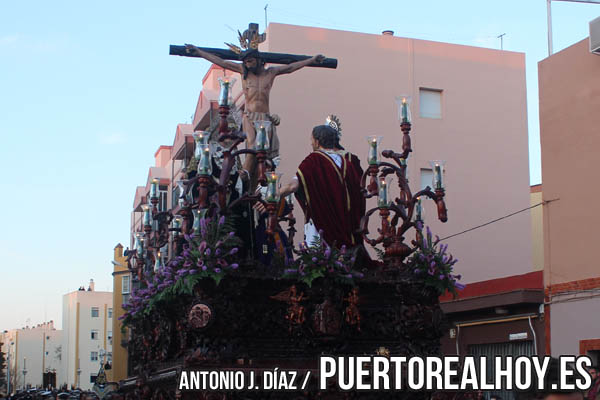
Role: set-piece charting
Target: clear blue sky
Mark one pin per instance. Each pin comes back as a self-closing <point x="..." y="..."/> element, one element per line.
<point x="88" y="92"/>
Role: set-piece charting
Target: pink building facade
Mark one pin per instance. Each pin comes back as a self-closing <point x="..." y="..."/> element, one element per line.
<point x="569" y="84"/>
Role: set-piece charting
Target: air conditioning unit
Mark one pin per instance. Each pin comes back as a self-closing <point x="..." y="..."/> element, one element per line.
<point x="595" y="36"/>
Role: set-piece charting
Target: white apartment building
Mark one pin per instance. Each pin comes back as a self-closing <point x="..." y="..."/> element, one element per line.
<point x="31" y="352"/>
<point x="87" y="334"/>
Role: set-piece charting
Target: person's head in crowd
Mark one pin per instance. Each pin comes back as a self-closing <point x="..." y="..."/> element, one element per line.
<point x="552" y="378"/>
<point x="495" y="397"/>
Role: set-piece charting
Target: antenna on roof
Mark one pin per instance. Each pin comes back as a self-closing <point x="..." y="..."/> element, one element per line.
<point x="501" y="41"/>
<point x="266" y="5"/>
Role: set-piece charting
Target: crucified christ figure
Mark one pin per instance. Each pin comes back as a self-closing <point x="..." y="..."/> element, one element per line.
<point x="257" y="82"/>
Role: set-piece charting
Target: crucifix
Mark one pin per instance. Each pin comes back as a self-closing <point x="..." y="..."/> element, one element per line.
<point x="257" y="80"/>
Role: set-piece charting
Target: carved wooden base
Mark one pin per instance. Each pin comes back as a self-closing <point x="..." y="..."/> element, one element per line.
<point x="256" y="323"/>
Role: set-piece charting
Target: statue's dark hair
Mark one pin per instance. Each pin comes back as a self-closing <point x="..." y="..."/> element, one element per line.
<point x="326" y="136"/>
<point x="250" y="53"/>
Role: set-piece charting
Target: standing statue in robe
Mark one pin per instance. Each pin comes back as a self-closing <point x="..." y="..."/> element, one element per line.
<point x="327" y="186"/>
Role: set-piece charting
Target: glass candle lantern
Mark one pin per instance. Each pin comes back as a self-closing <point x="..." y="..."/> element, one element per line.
<point x="438" y="167"/>
<point x="196" y="224"/>
<point x="147" y="219"/>
<point x="382" y="194"/>
<point x="418" y="215"/>
<point x="200" y="139"/>
<point x="205" y="162"/>
<point x="262" y="138"/>
<point x="181" y="191"/>
<point x="157" y="262"/>
<point x="154" y="189"/>
<point x="403" y="103"/>
<point x="225" y="97"/>
<point x="373" y="155"/>
<point x="139" y="244"/>
<point x="177" y="222"/>
<point x="273" y="187"/>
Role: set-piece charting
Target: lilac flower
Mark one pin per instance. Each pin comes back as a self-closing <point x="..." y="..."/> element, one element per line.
<point x="204" y="268"/>
<point x="327" y="252"/>
<point x="234" y="266"/>
<point x="193" y="271"/>
<point x="353" y="260"/>
<point x="231" y="234"/>
<point x="187" y="264"/>
<point x="221" y="220"/>
<point x="417" y="271"/>
<point x="314" y="259"/>
<point x="218" y="270"/>
<point x="219" y="243"/>
<point x="217" y="252"/>
<point x="234" y="250"/>
<point x="442" y="276"/>
<point x="186" y="253"/>
<point x="202" y="246"/>
<point x="207" y="252"/>
<point x="169" y="282"/>
<point x="349" y="276"/>
<point x="199" y="263"/>
<point x="459" y="286"/>
<point x="343" y="249"/>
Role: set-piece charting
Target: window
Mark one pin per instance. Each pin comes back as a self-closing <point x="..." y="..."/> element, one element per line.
<point x="426" y="178"/>
<point x="95" y="312"/>
<point x="95" y="335"/>
<point x="126" y="284"/>
<point x="110" y="313"/>
<point x="109" y="337"/>
<point x="93" y="378"/>
<point x="94" y="356"/>
<point x="430" y="103"/>
<point x="162" y="198"/>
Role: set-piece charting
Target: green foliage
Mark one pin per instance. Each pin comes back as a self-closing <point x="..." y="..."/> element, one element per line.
<point x="323" y="260"/>
<point x="434" y="267"/>
<point x="210" y="253"/>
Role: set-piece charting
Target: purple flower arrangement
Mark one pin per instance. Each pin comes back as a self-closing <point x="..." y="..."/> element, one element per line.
<point x="322" y="260"/>
<point x="209" y="254"/>
<point x="435" y="266"/>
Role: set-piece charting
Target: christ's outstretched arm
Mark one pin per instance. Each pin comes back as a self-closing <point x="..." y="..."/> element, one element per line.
<point x="235" y="67"/>
<point x="295" y="66"/>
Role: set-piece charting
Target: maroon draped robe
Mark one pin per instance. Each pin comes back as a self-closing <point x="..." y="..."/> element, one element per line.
<point x="332" y="197"/>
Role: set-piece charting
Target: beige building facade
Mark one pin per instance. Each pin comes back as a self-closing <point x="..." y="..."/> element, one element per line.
<point x="87" y="334"/>
<point x="35" y="350"/>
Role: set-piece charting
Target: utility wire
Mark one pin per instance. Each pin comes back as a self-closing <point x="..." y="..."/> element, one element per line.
<point x="498" y="219"/>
